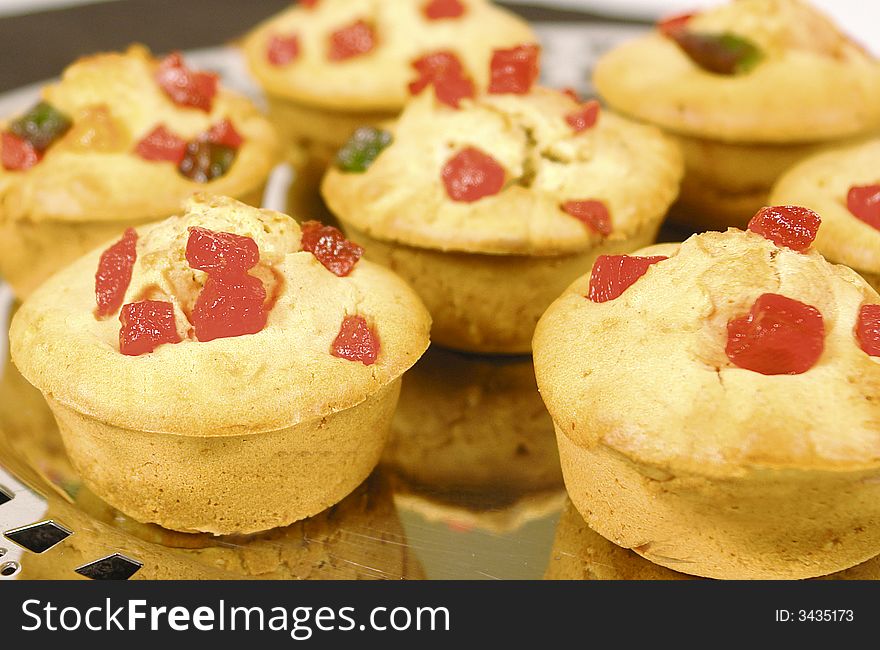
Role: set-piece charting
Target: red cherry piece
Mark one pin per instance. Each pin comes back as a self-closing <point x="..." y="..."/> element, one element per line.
<point x="186" y="87"/>
<point x="571" y="92"/>
<point x="444" y="71"/>
<point x="614" y="274"/>
<point x="230" y="305"/>
<point x="160" y="144"/>
<point x="673" y="24"/>
<point x="145" y="326"/>
<point x="356" y="341"/>
<point x="224" y="133"/>
<point x="18" y="154"/>
<point x="309" y="4"/>
<point x="281" y="50"/>
<point x="787" y="225"/>
<point x="779" y="336"/>
<point x="471" y="175"/>
<point x="864" y="202"/>
<point x="221" y="253"/>
<point x="514" y="70"/>
<point x="354" y="40"/>
<point x="593" y="213"/>
<point x="330" y="247"/>
<point x="114" y="274"/>
<point x="584" y="118"/>
<point x="439" y="9"/>
<point x="868" y="329"/>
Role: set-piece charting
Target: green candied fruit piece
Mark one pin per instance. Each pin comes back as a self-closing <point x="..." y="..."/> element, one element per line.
<point x="41" y="125"/>
<point x="725" y="53"/>
<point x="205" y="161"/>
<point x="362" y="149"/>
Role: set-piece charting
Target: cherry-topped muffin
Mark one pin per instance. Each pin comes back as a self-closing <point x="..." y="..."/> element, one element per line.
<point x="727" y="426"/>
<point x="490" y="203"/>
<point x="748" y="88"/>
<point x="122" y="139"/>
<point x="842" y="185"/>
<point x="331" y="66"/>
<point x="223" y="371"/>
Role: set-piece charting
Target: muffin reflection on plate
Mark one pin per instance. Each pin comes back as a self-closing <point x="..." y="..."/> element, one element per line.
<point x="472" y="443"/>
<point x="359" y="538"/>
<point x="579" y="553"/>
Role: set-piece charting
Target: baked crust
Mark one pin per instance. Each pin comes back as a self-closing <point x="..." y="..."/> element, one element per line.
<point x="378" y="80"/>
<point x="821" y="183"/>
<point x="813" y="82"/>
<point x="632" y="168"/>
<point x="277" y="378"/>
<point x="84" y="177"/>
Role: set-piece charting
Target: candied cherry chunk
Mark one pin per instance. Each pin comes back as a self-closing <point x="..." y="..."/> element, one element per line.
<point x="330" y="248"/>
<point x="160" y="144"/>
<point x="114" y="274"/>
<point x="145" y="326"/>
<point x="614" y="274"/>
<point x="779" y="336"/>
<point x="17" y="154"/>
<point x="221" y="253"/>
<point x="471" y="175"/>
<point x="41" y="126"/>
<point x="230" y="305"/>
<point x="356" y="341"/>
<point x="282" y="49"/>
<point x="868" y="329"/>
<point x="787" y="225"/>
<point x="584" y="118"/>
<point x="354" y="40"/>
<point x="722" y="54"/>
<point x="362" y="149"/>
<point x="439" y="9"/>
<point x="186" y="87"/>
<point x="514" y="70"/>
<point x="445" y="72"/>
<point x="591" y="212"/>
<point x="674" y="23"/>
<point x="224" y="133"/>
<point x="863" y="201"/>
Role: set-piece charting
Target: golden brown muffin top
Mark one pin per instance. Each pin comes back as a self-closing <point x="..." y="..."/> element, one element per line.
<point x="387" y="38"/>
<point x="95" y="172"/>
<point x="648" y="375"/>
<point x="823" y="182"/>
<point x="284" y="374"/>
<point x="807" y="81"/>
<point x="632" y="169"/>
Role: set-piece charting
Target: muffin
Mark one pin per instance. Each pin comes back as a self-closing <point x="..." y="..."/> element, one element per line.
<point x="121" y="140"/>
<point x="748" y="88"/>
<point x="473" y="425"/>
<point x="491" y="209"/>
<point x="844" y="187"/>
<point x="581" y="554"/>
<point x="330" y="66"/>
<point x="728" y="425"/>
<point x="253" y="378"/>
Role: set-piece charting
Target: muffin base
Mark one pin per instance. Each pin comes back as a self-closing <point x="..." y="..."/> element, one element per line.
<point x="35" y="250"/>
<point x="726" y="183"/>
<point x="772" y="524"/>
<point x="229" y="484"/>
<point x="473" y="425"/>
<point x="487" y="304"/>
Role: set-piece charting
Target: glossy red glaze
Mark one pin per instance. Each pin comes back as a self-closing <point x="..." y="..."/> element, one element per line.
<point x="114" y="274"/>
<point x="515" y="70"/>
<point x="591" y="212"/>
<point x="787" y="225"/>
<point x="779" y="336"/>
<point x="471" y="175"/>
<point x="161" y="145"/>
<point x="614" y="274"/>
<point x="356" y="341"/>
<point x="186" y="87"/>
<point x="145" y="326"/>
<point x="330" y="247"/>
